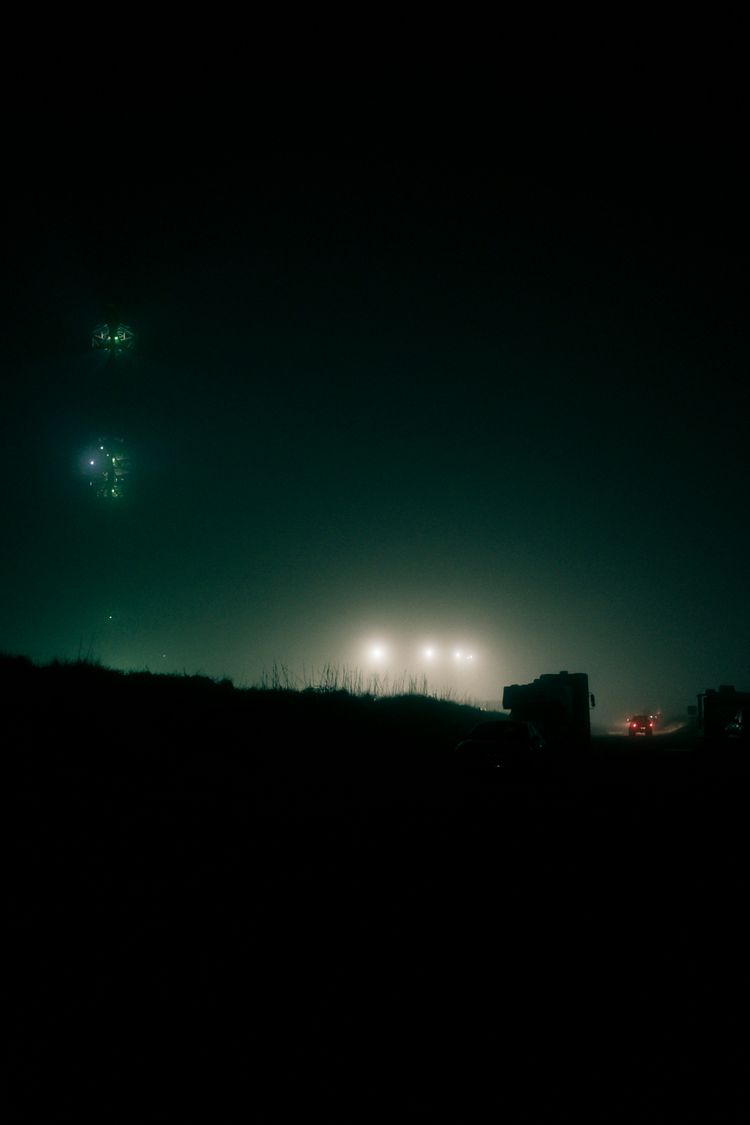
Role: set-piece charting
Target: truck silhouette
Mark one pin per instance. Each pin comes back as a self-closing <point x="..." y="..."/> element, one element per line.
<point x="558" y="703"/>
<point x="722" y="716"/>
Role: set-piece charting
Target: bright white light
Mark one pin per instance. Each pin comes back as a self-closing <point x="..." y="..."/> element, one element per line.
<point x="428" y="653"/>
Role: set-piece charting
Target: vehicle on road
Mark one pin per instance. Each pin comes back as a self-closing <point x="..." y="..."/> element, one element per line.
<point x="641" y="725"/>
<point x="737" y="730"/>
<point x="558" y="704"/>
<point x="501" y="744"/>
<point x="722" y="716"/>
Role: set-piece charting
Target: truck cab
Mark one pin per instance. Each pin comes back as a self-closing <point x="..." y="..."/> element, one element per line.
<point x="558" y="704"/>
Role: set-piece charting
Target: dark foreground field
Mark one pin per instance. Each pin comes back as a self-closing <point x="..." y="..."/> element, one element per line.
<point x="277" y="906"/>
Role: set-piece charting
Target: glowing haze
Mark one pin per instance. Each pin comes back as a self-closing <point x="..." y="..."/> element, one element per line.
<point x="392" y="422"/>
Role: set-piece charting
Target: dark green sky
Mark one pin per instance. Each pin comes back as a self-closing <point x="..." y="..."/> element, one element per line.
<point x="493" y="398"/>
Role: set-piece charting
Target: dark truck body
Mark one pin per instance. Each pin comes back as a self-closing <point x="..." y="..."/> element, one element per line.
<point x="722" y="717"/>
<point x="559" y="704"/>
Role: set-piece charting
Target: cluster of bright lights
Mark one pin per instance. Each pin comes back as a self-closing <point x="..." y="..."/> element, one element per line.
<point x="423" y="656"/>
<point x="427" y="664"/>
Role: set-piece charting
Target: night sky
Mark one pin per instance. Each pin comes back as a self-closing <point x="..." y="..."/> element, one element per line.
<point x="490" y="398"/>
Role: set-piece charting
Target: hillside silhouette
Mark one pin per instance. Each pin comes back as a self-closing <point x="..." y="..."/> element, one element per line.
<point x="264" y="903"/>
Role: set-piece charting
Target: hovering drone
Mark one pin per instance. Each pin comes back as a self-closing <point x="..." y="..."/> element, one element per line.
<point x="107" y="464"/>
<point x="114" y="338"/>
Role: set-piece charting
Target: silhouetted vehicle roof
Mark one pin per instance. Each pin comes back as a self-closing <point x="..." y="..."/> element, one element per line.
<point x="501" y="744"/>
